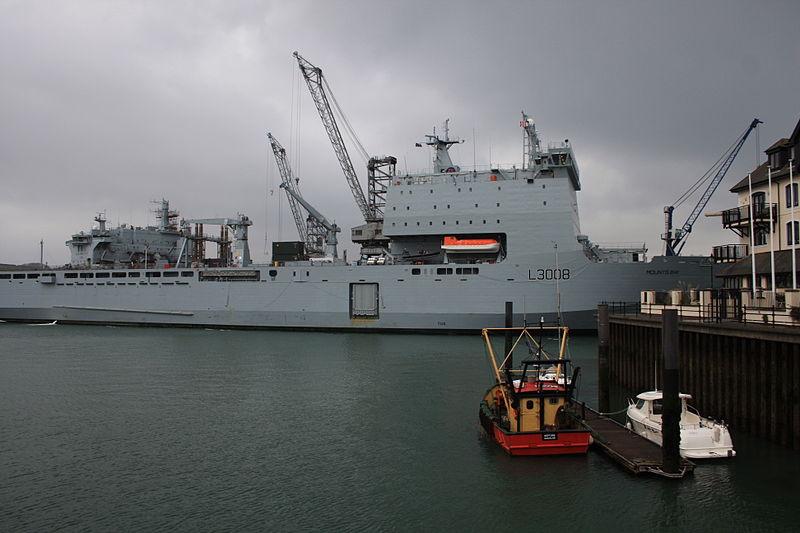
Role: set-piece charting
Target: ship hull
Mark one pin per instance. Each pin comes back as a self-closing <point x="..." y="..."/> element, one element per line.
<point x="330" y="297"/>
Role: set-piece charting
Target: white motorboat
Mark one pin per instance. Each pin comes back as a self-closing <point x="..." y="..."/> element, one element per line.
<point x="701" y="438"/>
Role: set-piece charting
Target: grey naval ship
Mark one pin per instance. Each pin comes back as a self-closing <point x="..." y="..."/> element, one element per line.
<point x="440" y="251"/>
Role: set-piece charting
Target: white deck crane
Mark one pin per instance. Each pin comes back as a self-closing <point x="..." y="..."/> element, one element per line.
<point x="310" y="231"/>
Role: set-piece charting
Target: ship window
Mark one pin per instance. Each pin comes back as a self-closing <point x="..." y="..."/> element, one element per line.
<point x="430" y="223"/>
<point x="394" y="208"/>
<point x="102" y="275"/>
<point x="171" y="274"/>
<point x="498" y="220"/>
<point x="407" y="208"/>
<point x="187" y="274"/>
<point x="484" y="222"/>
<point x="529" y="405"/>
<point x="542" y="185"/>
<point x="499" y="188"/>
<point x="33" y="276"/>
<point x="118" y="274"/>
<point x="444" y="271"/>
<point x="153" y="274"/>
<point x="470" y="189"/>
<point x="415" y="272"/>
<point x="444" y="222"/>
<point x="133" y="274"/>
<point x="498" y="204"/>
<point x="545" y="202"/>
<point x="273" y="273"/>
<point x="87" y="275"/>
<point x="410" y="192"/>
<point x="5" y="276"/>
<point x="417" y="222"/>
<point x="456" y="222"/>
<point x="448" y="206"/>
<point x="657" y="407"/>
<point x="639" y="403"/>
<point x="294" y="273"/>
<point x="470" y="222"/>
<point x="71" y="275"/>
<point x="434" y="206"/>
<point x="476" y="205"/>
<point x="306" y="273"/>
<point x="19" y="276"/>
<point x="459" y="189"/>
<point x="392" y="224"/>
<point x="405" y="223"/>
<point x="553" y="401"/>
<point x="431" y="191"/>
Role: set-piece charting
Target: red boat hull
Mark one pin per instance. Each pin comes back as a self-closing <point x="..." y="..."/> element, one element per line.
<point x="555" y="442"/>
<point x="543" y="442"/>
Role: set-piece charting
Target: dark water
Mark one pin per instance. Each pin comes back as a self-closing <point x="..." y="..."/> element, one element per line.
<point x="125" y="429"/>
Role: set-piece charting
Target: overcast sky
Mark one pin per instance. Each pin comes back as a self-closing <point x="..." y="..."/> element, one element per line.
<point x="106" y="106"/>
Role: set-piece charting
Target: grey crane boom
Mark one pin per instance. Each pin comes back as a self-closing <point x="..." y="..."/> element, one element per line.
<point x="314" y="80"/>
<point x="330" y="229"/>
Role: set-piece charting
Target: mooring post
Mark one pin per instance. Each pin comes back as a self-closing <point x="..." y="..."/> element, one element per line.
<point x="602" y="359"/>
<point x="670" y="418"/>
<point x="509" y="343"/>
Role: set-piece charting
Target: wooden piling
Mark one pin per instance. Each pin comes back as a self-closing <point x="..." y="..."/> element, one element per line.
<point x="602" y="358"/>
<point x="670" y="418"/>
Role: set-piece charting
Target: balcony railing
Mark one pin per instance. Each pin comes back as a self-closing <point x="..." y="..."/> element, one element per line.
<point x="729" y="253"/>
<point x="740" y="216"/>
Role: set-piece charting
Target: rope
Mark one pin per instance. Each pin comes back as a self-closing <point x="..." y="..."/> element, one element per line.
<point x="614" y="412"/>
<point x="705" y="177"/>
<point x="348" y="128"/>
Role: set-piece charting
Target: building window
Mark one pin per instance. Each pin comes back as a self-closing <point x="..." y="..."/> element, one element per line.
<point x="792" y="233"/>
<point x="760" y="237"/>
<point x="759" y="198"/>
<point x="791" y="195"/>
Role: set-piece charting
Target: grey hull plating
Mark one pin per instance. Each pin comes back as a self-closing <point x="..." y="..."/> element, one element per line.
<point x="320" y="297"/>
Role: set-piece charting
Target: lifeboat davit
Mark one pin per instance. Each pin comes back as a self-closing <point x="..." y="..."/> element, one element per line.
<point x="456" y="245"/>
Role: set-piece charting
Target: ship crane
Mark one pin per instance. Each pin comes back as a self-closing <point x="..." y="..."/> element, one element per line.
<point x="313" y="233"/>
<point x="330" y="229"/>
<point x="675" y="239"/>
<point x="316" y="85"/>
<point x="381" y="170"/>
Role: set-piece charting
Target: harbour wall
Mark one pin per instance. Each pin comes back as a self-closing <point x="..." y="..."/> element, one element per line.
<point x="747" y="375"/>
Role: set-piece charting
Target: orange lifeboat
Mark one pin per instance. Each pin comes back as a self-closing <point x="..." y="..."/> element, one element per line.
<point x="456" y="245"/>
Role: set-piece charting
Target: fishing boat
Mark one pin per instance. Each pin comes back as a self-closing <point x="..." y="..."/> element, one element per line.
<point x="528" y="409"/>
<point x="701" y="437"/>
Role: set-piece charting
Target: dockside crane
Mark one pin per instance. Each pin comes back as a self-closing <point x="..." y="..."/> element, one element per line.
<point x="311" y="235"/>
<point x="675" y="239"/>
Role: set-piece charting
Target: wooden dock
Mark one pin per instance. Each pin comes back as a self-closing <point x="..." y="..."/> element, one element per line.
<point x="634" y="453"/>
